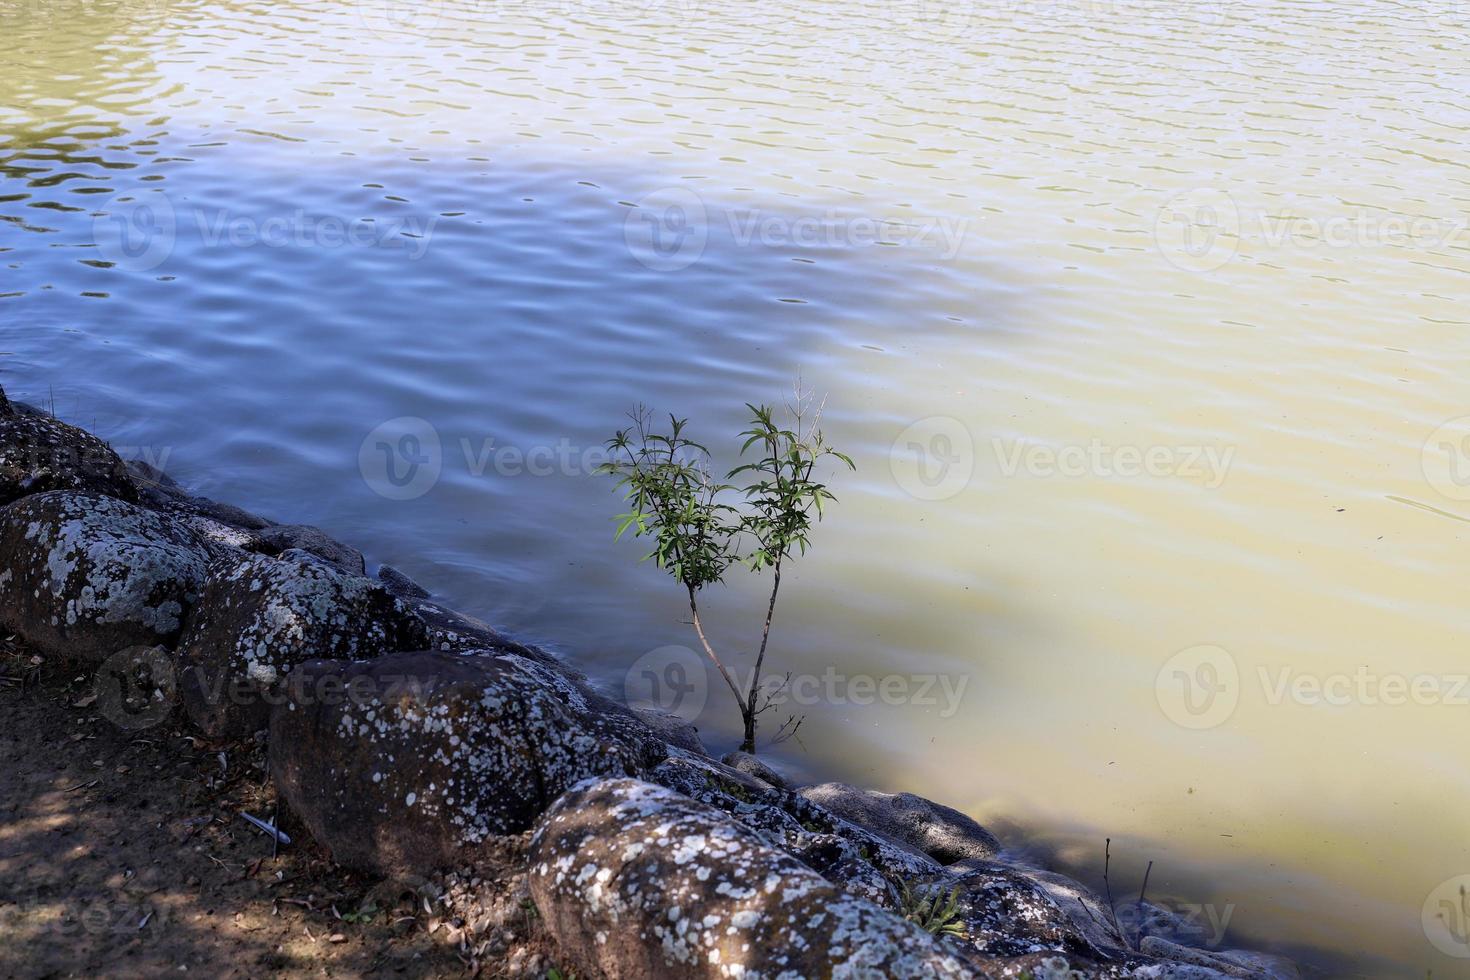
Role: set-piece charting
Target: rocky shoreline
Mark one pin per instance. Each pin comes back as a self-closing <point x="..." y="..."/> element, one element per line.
<point x="409" y="739"/>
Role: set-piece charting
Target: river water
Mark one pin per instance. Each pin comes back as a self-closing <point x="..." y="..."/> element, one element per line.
<point x="1141" y="320"/>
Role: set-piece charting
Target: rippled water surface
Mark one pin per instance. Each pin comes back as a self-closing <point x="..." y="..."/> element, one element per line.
<point x="1141" y="320"/>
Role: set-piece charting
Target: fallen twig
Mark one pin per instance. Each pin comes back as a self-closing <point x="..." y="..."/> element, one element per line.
<point x="267" y="828"/>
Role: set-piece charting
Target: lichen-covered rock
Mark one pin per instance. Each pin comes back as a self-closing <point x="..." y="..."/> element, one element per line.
<point x="1007" y="914"/>
<point x="942" y="832"/>
<point x="39" y="453"/>
<point x="84" y="575"/>
<point x="258" y="617"/>
<point x="634" y="880"/>
<point x="672" y="729"/>
<point x="282" y="537"/>
<point x="414" y="761"/>
<point x="400" y="584"/>
<point x="861" y="863"/>
<point x="751" y="766"/>
<point x="1165" y="950"/>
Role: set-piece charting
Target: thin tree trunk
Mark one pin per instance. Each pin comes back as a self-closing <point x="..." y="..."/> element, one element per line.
<point x="755" y="681"/>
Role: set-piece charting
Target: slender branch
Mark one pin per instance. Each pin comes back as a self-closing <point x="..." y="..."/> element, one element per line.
<point x="709" y="650"/>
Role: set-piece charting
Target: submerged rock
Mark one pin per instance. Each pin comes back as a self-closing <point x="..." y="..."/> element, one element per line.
<point x="39" y="453"/>
<point x="942" y="832"/>
<point x="414" y="761"/>
<point x="635" y="880"/>
<point x="258" y="617"/>
<point x="86" y="575"/>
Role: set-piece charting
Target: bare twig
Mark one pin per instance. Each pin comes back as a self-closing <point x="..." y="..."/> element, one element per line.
<point x="1108" y="889"/>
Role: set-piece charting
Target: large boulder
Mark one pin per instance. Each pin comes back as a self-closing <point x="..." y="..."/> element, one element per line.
<point x="84" y="575"/>
<point x="635" y="880"/>
<point x="1005" y="913"/>
<point x="942" y="832"/>
<point x="416" y="761"/>
<point x="258" y="617"/>
<point x="862" y="863"/>
<point x="39" y="453"/>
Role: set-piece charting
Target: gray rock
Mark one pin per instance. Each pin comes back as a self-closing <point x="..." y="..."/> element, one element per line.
<point x="1165" y="950"/>
<point x="258" y="617"/>
<point x="944" y="833"/>
<point x="146" y="474"/>
<point x="1266" y="965"/>
<point x="86" y="575"/>
<point x="39" y="453"/>
<point x="860" y="862"/>
<point x="1007" y="914"/>
<point x="416" y="761"/>
<point x="282" y="537"/>
<point x="672" y="729"/>
<point x="635" y="880"/>
<point x="400" y="584"/>
<point x="751" y="766"/>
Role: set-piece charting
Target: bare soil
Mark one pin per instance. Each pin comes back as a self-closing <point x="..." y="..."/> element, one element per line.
<point x="123" y="853"/>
